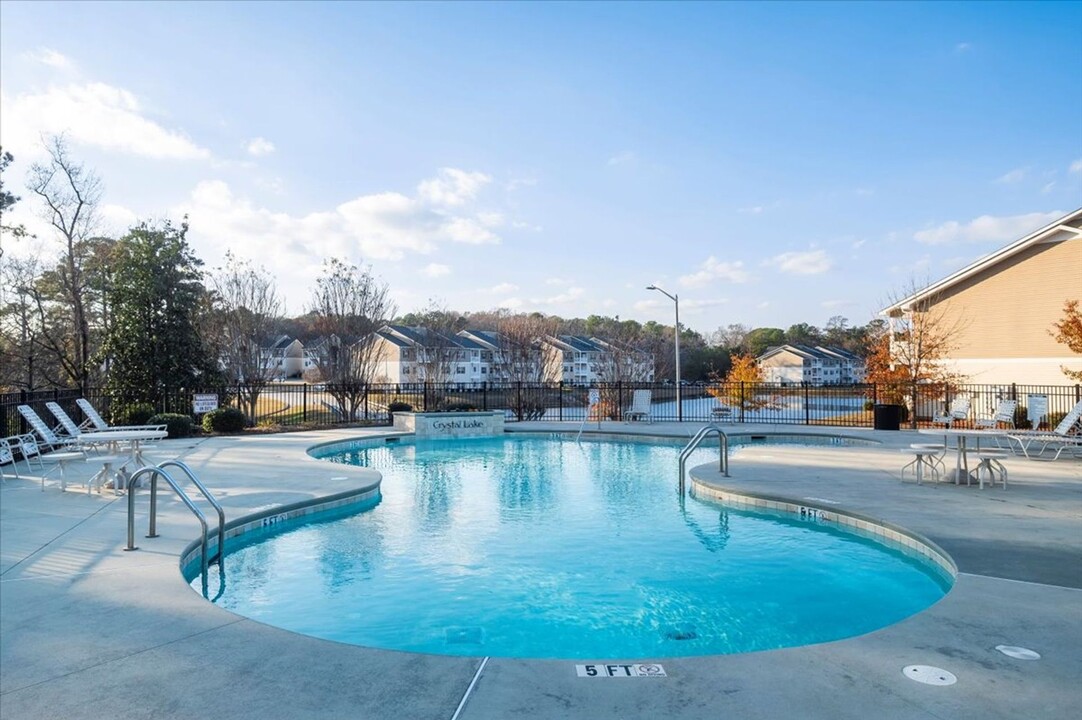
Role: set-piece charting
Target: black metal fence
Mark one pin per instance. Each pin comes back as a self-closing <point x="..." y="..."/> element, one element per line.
<point x="307" y="405"/>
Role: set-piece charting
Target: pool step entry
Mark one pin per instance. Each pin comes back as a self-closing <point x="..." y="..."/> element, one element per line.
<point x="704" y="432"/>
<point x="156" y="471"/>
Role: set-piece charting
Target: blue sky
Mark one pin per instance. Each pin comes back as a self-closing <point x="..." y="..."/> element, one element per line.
<point x="772" y="163"/>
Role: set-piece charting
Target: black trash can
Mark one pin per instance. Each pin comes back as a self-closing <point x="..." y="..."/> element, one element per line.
<point x="887" y="417"/>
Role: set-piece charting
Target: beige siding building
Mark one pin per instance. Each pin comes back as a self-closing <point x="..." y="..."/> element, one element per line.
<point x="1004" y="304"/>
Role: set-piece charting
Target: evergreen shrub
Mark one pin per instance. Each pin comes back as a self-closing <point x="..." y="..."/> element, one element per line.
<point x="225" y="420"/>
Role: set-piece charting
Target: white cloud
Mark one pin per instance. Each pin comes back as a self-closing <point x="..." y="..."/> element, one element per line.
<point x="833" y="304"/>
<point x="712" y="270"/>
<point x="753" y="210"/>
<point x="94" y="114"/>
<point x="512" y="303"/>
<point x="555" y="281"/>
<point x="690" y="307"/>
<point x="857" y="244"/>
<point x="50" y="57"/>
<point x="1013" y="176"/>
<point x="962" y="47"/>
<point x="811" y="262"/>
<point x="381" y="226"/>
<point x="260" y="146"/>
<point x="985" y="228"/>
<point x="452" y="188"/>
<point x="435" y="270"/>
<point x="503" y="288"/>
<point x="571" y="295"/>
<point x="622" y="158"/>
<point x="1076" y="166"/>
<point x="1049" y="187"/>
<point x="116" y="219"/>
<point x="517" y="183"/>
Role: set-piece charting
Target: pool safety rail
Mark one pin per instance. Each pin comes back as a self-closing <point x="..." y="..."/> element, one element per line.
<point x="154" y="471"/>
<point x="704" y="432"/>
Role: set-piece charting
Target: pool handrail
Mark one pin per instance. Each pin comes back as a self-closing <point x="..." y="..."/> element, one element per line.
<point x="154" y="471"/>
<point x="704" y="431"/>
<point x="203" y="490"/>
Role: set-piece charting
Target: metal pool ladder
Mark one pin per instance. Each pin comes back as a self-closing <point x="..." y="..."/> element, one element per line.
<point x="704" y="432"/>
<point x="159" y="470"/>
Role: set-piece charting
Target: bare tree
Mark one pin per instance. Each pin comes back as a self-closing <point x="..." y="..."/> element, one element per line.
<point x="70" y="194"/>
<point x="247" y="309"/>
<point x="20" y="365"/>
<point x="908" y="359"/>
<point x="519" y="356"/>
<point x="350" y="305"/>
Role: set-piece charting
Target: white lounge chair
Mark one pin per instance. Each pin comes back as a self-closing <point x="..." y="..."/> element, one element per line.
<point x="959" y="410"/>
<point x="640" y="407"/>
<point x="98" y="424"/>
<point x="1063" y="437"/>
<point x="46" y="435"/>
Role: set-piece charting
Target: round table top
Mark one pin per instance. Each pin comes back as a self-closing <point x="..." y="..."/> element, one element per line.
<point x="114" y="435"/>
<point x="965" y="432"/>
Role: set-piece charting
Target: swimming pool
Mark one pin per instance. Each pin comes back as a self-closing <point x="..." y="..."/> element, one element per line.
<point x="542" y="547"/>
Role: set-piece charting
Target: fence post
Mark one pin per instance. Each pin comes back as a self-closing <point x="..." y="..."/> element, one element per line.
<point x="519" y="402"/>
<point x="913" y="409"/>
<point x="561" y="401"/>
<point x="807" y="408"/>
<point x="741" y="401"/>
<point x="484" y="395"/>
<point x="304" y="403"/>
<point x="424" y="396"/>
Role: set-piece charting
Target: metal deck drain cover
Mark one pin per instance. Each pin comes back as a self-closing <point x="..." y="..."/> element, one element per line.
<point x="1018" y="653"/>
<point x="929" y="675"/>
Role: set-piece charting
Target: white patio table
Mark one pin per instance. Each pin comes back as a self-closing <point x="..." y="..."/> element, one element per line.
<point x="961" y="464"/>
<point x="133" y="437"/>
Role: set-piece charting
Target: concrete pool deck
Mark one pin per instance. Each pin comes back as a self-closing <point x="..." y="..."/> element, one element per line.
<point x="90" y="631"/>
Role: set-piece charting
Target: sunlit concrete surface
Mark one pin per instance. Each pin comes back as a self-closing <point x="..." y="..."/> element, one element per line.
<point x="88" y="630"/>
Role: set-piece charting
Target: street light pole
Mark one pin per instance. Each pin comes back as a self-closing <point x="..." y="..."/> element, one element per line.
<point x="679" y="390"/>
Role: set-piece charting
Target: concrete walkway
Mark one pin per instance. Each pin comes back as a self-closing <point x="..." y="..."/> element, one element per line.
<point x="90" y="631"/>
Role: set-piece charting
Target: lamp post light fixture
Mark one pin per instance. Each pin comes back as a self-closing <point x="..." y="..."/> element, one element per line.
<point x="676" y="301"/>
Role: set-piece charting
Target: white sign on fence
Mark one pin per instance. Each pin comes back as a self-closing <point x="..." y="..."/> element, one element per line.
<point x="1036" y="408"/>
<point x="595" y="396"/>
<point x="204" y="402"/>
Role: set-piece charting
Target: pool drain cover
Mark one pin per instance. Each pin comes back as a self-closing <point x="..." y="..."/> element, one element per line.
<point x="1018" y="653"/>
<point x="929" y="675"/>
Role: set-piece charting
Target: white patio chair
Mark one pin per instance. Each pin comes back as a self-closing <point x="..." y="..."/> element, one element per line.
<point x="1004" y="414"/>
<point x="959" y="410"/>
<point x="640" y="407"/>
<point x="1063" y="437"/>
<point x="8" y="446"/>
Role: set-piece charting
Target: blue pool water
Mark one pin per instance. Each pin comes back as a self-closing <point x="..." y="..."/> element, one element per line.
<point x="547" y="548"/>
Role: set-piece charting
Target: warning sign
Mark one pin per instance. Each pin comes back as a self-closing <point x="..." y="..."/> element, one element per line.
<point x="204" y="402"/>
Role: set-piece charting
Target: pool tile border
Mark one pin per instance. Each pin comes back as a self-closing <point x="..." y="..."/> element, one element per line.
<point x="876" y="528"/>
<point x="276" y="517"/>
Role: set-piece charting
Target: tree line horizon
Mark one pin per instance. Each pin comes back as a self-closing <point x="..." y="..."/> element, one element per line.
<point x="139" y="312"/>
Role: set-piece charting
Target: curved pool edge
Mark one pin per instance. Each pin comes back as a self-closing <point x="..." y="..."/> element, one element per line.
<point x="702" y="487"/>
<point x="355" y="500"/>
